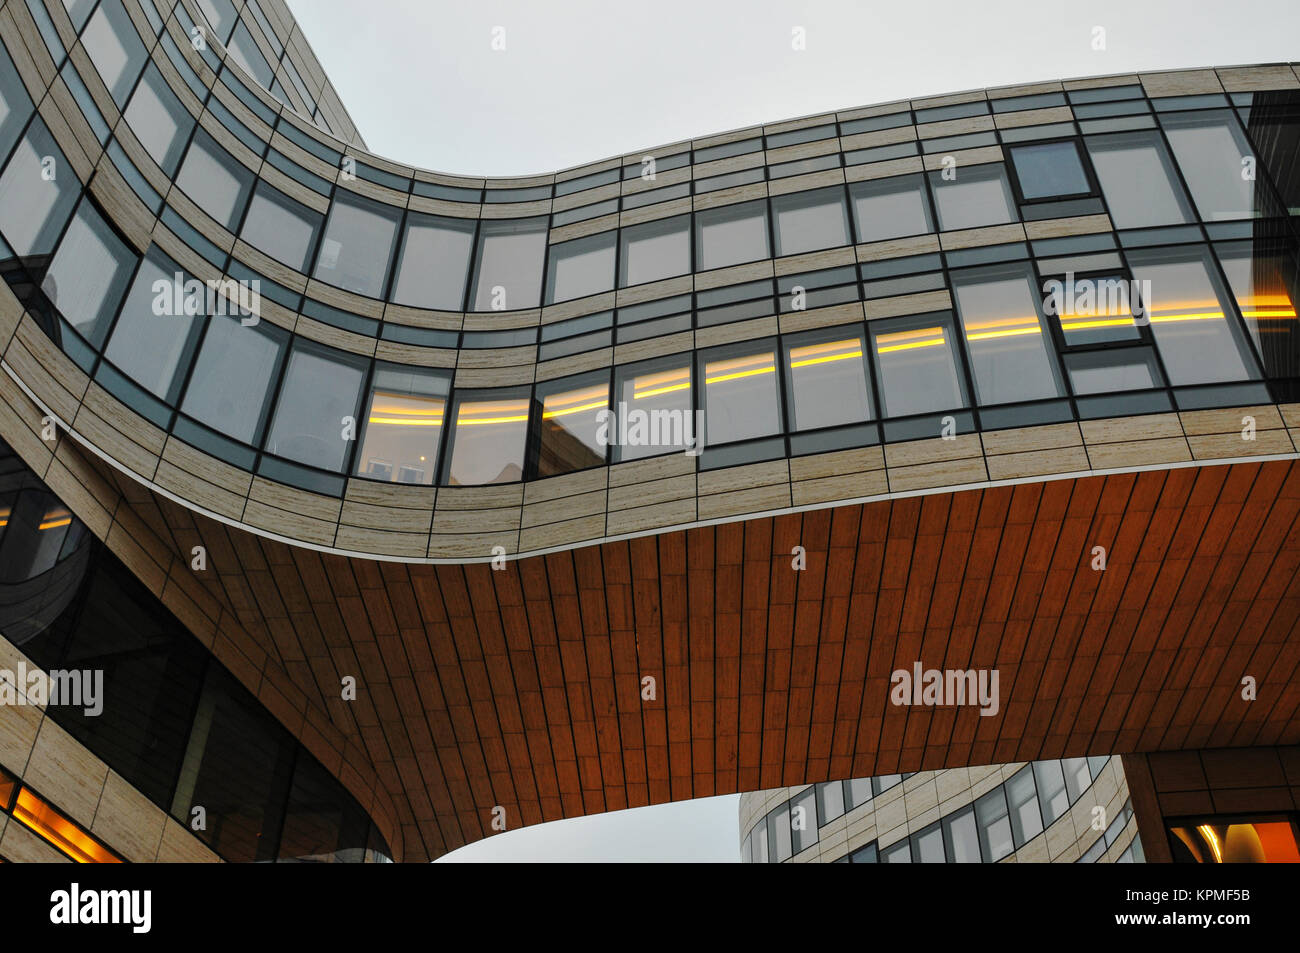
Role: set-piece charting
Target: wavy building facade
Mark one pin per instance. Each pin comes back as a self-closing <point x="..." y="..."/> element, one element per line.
<point x="398" y="508"/>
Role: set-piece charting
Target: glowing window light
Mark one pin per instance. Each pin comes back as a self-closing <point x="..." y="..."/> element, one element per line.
<point x="55" y="519"/>
<point x="502" y="412"/>
<point x="740" y="367"/>
<point x="924" y="337"/>
<point x="575" y="402"/>
<point x="662" y="383"/>
<point x="56" y="829"/>
<point x="825" y="353"/>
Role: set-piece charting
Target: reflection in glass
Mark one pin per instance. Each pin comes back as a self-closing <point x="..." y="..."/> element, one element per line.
<point x="508" y="271"/>
<point x="731" y="235"/>
<point x="1050" y="170"/>
<point x="890" y="208"/>
<point x="231" y="383"/>
<point x="88" y="274"/>
<point x="1113" y="371"/>
<point x="961" y="837"/>
<point x="159" y="120"/>
<point x="978" y="196"/>
<point x="1022" y="804"/>
<point x="115" y="48"/>
<point x="994" y="827"/>
<point x="1211" y="151"/>
<point x="654" y="408"/>
<point x="35" y="197"/>
<point x="915" y="365"/>
<point x="654" y="250"/>
<point x="827" y="378"/>
<point x="433" y="268"/>
<point x="810" y="221"/>
<point x="321" y="387"/>
<point x="741" y="393"/>
<point x="280" y="226"/>
<point x="574" y="433"/>
<point x="584" y="266"/>
<point x="403" y="425"/>
<point x="215" y="180"/>
<point x="357" y="245"/>
<point x="488" y="443"/>
<point x="1138" y="180"/>
<point x="1263" y="277"/>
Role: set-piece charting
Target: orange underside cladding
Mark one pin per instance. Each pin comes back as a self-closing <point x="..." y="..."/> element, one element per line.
<point x="522" y="688"/>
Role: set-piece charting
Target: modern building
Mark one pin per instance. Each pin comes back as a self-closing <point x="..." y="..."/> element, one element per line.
<point x="357" y="511"/>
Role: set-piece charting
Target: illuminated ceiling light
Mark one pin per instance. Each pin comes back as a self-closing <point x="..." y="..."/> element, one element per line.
<point x="1208" y="833"/>
<point x="825" y="360"/>
<point x="594" y="405"/>
<point x="1009" y="333"/>
<point x="55" y="519"/>
<point x="739" y="374"/>
<point x="406" y="422"/>
<point x="929" y="337"/>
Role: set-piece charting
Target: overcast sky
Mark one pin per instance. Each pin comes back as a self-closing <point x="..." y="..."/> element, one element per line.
<point x="581" y="80"/>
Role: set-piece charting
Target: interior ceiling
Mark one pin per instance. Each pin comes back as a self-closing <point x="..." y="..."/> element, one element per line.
<point x="522" y="687"/>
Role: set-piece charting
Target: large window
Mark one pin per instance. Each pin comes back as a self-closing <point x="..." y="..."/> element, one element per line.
<point x="810" y="221"/>
<point x="321" y="388"/>
<point x="357" y="245"/>
<point x="1199" y="337"/>
<point x="1263" y="277"/>
<point x="584" y="266"/>
<point x="233" y="374"/>
<point x="89" y="274"/>
<point x="433" y="268"/>
<point x="115" y="48"/>
<point x="731" y="235"/>
<point x="827" y="378"/>
<point x="654" y="250"/>
<point x="215" y="180"/>
<point x="916" y="365"/>
<point x="281" y="227"/>
<point x="159" y="120"/>
<point x="994" y="827"/>
<point x="1138" y="180"/>
<point x="404" y="425"/>
<point x="1052" y="797"/>
<point x="37" y="192"/>
<point x="1050" y="170"/>
<point x="15" y="104"/>
<point x="489" y="437"/>
<point x="1011" y="356"/>
<point x="803" y="821"/>
<point x="1022" y="804"/>
<point x="654" y="411"/>
<point x="975" y="196"/>
<point x="741" y="392"/>
<point x="575" y="424"/>
<point x="961" y="837"/>
<point x="891" y="208"/>
<point x="508" y="270"/>
<point x="1213" y="153"/>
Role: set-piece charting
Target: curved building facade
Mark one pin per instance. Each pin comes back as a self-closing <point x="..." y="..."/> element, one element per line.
<point x="515" y="499"/>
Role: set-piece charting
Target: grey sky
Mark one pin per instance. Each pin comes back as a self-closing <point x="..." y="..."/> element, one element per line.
<point x="585" y="79"/>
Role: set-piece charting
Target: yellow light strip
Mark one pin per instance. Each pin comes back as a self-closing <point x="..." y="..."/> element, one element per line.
<point x="573" y="397"/>
<point x="54" y="519"/>
<point x="1014" y="332"/>
<point x="1000" y="323"/>
<point x="1126" y="322"/>
<point x="594" y="405"/>
<point x="825" y="360"/>
<point x="909" y="339"/>
<point x="660" y="390"/>
<point x="406" y="422"/>
<point x="470" y="422"/>
<point x="1208" y="833"/>
<point x="826" y="348"/>
<point x="739" y="374"/>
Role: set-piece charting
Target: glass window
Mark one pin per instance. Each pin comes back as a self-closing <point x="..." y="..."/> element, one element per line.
<point x="115" y="48"/>
<point x="37" y="192"/>
<point x="731" y="235"/>
<point x="1273" y="120"/>
<point x="159" y="120"/>
<point x="15" y="104"/>
<point x="778" y="832"/>
<point x="489" y="438"/>
<point x="78" y="10"/>
<point x="153" y="339"/>
<point x="230" y="387"/>
<point x="1050" y="781"/>
<point x="1050" y="170"/>
<point x="890" y="208"/>
<point x="1138" y="180"/>
<point x="810" y="221"/>
<point x="760" y="845"/>
<point x="961" y="837"/>
<point x="803" y="820"/>
<point x="433" y="268"/>
<point x="358" y="244"/>
<point x="1199" y="338"/>
<point x="654" y="410"/>
<point x="322" y="823"/>
<point x="864" y="855"/>
<point x="827" y="378"/>
<point x="320" y="388"/>
<point x="654" y="250"/>
<point x="900" y="853"/>
<point x="575" y="423"/>
<point x="915" y="365"/>
<point x="1077" y="777"/>
<point x="1094" y="310"/>
<point x="403" y="425"/>
<point x="1113" y="371"/>
<point x="857" y="792"/>
<point x="741" y="392"/>
<point x="927" y="845"/>
<point x="883" y="782"/>
<point x="215" y="180"/>
<point x="281" y="227"/>
<point x="977" y="196"/>
<point x="994" y="827"/>
<point x="830" y="802"/>
<point x="247" y="54"/>
<point x="1212" y="151"/>
<point x="508" y="270"/>
<point x="1010" y="354"/>
<point x="584" y="266"/>
<point x="221" y="15"/>
<point x="1022" y="803"/>
<point x="1263" y="277"/>
<point x="88" y="275"/>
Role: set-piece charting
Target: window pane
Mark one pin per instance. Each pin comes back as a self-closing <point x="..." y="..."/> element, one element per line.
<point x="581" y="267"/>
<point x="803" y="821"/>
<point x="88" y="275"/>
<point x="1050" y="781"/>
<point x="1138" y="180"/>
<point x="1026" y="821"/>
<point x="1077" y="777"/>
<point x="508" y="273"/>
<point x="115" y="48"/>
<point x="322" y="822"/>
<point x="232" y="376"/>
<point x="655" y="250"/>
<point x="759" y="842"/>
<point x="215" y="180"/>
<point x="900" y="853"/>
<point x="358" y="244"/>
<point x="830" y="801"/>
<point x="404" y="424"/>
<point x="1210" y="148"/>
<point x="34" y="203"/>
<point x="321" y="387"/>
<point x="994" y="828"/>
<point x="731" y="235"/>
<point x="1263" y="278"/>
<point x="809" y="221"/>
<point x="827" y="379"/>
<point x="245" y="51"/>
<point x="280" y="226"/>
<point x="961" y="838"/>
<point x="1050" y="170"/>
<point x="1109" y="372"/>
<point x="741" y="393"/>
<point x="1094" y="310"/>
<point x="151" y="342"/>
<point x="1011" y="356"/>
<point x="655" y="414"/>
<point x="778" y="832"/>
<point x="489" y="439"/>
<point x="864" y="855"/>
<point x="1273" y="122"/>
<point x="575" y="423"/>
<point x="1199" y="338"/>
<point x="915" y="365"/>
<point x="927" y="845"/>
<point x="978" y="196"/>
<point x="221" y="15"/>
<point x="15" y="104"/>
<point x="159" y="120"/>
<point x="891" y="208"/>
<point x="857" y="792"/>
<point x="433" y="268"/>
